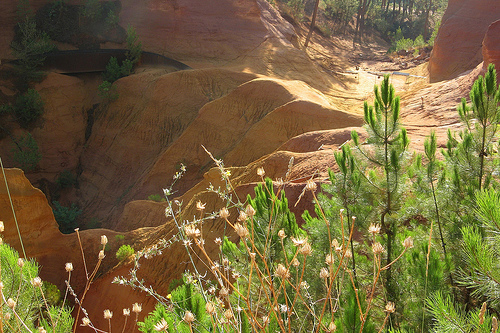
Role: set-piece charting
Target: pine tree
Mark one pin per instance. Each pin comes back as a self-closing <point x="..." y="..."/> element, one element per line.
<point x="382" y="161"/>
<point x="471" y="154"/>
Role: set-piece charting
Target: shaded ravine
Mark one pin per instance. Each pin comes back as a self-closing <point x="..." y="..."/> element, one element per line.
<point x="89" y="61"/>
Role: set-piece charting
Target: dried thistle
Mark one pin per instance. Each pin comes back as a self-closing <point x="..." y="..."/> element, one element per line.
<point x="241" y="230"/>
<point x="323" y="273"/>
<point x="374" y="229"/>
<point x="161" y="326"/>
<point x="282" y="272"/>
<point x="389" y="307"/>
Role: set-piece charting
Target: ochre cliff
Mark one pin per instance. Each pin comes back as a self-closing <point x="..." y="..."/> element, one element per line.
<point x="457" y="47"/>
<point x="491" y="45"/>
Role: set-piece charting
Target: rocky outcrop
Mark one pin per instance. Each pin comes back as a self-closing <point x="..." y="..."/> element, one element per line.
<point x="457" y="47"/>
<point x="205" y="29"/>
<point x="133" y="154"/>
<point x="491" y="46"/>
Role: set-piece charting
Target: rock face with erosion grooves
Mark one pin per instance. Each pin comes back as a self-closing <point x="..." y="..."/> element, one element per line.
<point x="60" y="131"/>
<point x="204" y="29"/>
<point x="457" y="47"/>
<point x="491" y="46"/>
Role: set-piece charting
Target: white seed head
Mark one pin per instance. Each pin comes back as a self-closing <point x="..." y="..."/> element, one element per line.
<point x="136" y="307"/>
<point x="20" y="262"/>
<point x="348" y="254"/>
<point x="223" y="292"/>
<point x="108" y="314"/>
<point x="104" y="240"/>
<point x="241" y="230"/>
<point x="377" y="248"/>
<point x="210" y="308"/>
<point x="6" y="316"/>
<point x="311" y="185"/>
<point x="101" y="255"/>
<point x="11" y="303"/>
<point x="261" y="172"/>
<point x="224" y="213"/>
<point x="1" y="226"/>
<point x="68" y="267"/>
<point x="191" y="231"/>
<point x="36" y="282"/>
<point x="85" y="321"/>
<point x="306" y="249"/>
<point x="389" y="307"/>
<point x="242" y="217"/>
<point x="282" y="272"/>
<point x="41" y="330"/>
<point x="228" y="314"/>
<point x="188" y="317"/>
<point x="323" y="273"/>
<point x="281" y="234"/>
<point x="329" y="260"/>
<point x="374" y="229"/>
<point x="250" y="211"/>
<point x="408" y="242"/>
<point x="200" y="206"/>
<point x="126" y="312"/>
<point x="161" y="326"/>
<point x="332" y="327"/>
<point x="218" y="241"/>
<point x="298" y="241"/>
<point x="295" y="262"/>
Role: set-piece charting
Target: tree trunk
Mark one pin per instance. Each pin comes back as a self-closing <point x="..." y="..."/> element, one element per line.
<point x="426" y="26"/>
<point x="313" y="22"/>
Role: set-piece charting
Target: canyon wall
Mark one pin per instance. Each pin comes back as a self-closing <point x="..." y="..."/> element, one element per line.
<point x="457" y="47"/>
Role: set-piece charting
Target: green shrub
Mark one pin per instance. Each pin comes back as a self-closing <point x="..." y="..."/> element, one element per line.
<point x="66" y="216"/>
<point x="124" y="252"/>
<point x="120" y="238"/>
<point x="26" y="153"/>
<point x="29" y="47"/>
<point x="28" y="107"/>
<point x="156" y="197"/>
<point x="66" y="179"/>
<point x="107" y="91"/>
<point x="419" y="42"/>
<point x="113" y="71"/>
<point x="404" y="44"/>
<point x="134" y="47"/>
<point x="29" y="305"/>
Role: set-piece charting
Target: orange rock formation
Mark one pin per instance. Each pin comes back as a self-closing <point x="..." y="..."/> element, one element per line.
<point x="457" y="47"/>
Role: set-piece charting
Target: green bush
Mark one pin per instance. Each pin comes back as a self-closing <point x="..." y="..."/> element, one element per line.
<point x="120" y="238"/>
<point x="28" y="107"/>
<point x="26" y="153"/>
<point x="66" y="216"/>
<point x="404" y="44"/>
<point x="107" y="91"/>
<point x="29" y="305"/>
<point x="156" y="197"/>
<point x="124" y="252"/>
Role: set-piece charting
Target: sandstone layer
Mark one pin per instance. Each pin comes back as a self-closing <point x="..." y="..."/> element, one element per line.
<point x="457" y="47"/>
